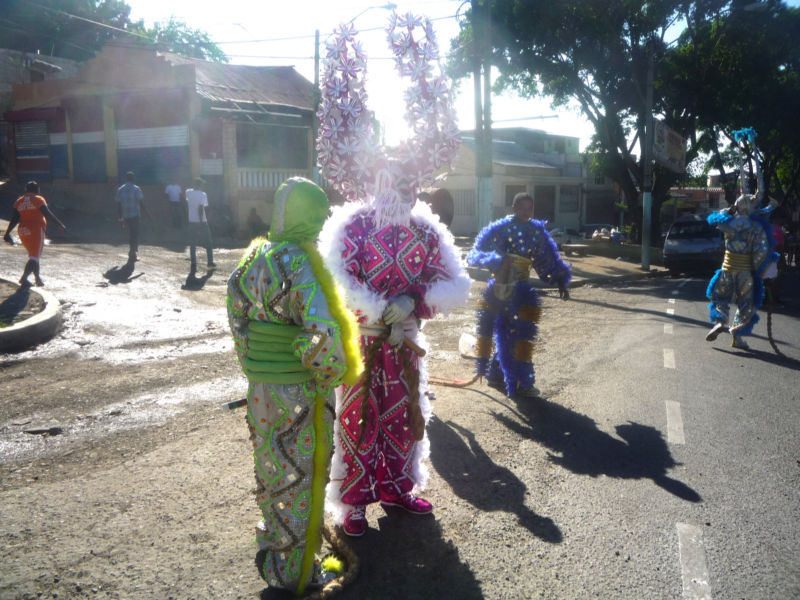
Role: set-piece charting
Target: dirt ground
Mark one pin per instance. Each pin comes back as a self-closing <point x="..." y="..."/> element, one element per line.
<point x="121" y="477"/>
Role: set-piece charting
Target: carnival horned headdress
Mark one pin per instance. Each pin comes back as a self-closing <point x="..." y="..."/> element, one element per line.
<point x="350" y="157"/>
<point x="748" y="202"/>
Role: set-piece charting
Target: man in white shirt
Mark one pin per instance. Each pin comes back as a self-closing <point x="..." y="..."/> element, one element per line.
<point x="199" y="232"/>
<point x="173" y="193"/>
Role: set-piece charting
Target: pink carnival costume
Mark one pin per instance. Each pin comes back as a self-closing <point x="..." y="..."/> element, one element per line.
<point x="397" y="263"/>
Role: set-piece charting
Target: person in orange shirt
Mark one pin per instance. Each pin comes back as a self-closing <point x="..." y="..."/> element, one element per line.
<point x="31" y="213"/>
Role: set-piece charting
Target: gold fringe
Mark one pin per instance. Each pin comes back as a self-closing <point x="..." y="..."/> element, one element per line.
<point x="529" y="312"/>
<point x="483" y="347"/>
<point x="523" y="350"/>
<point x="737" y="262"/>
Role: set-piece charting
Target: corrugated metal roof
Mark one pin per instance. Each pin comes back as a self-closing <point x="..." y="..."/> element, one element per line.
<point x="511" y="154"/>
<point x="276" y="86"/>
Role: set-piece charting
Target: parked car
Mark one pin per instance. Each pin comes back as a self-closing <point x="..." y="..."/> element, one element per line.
<point x="565" y="235"/>
<point x="693" y="246"/>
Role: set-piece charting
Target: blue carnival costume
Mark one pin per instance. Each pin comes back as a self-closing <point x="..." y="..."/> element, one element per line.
<point x="510" y="309"/>
<point x="749" y="250"/>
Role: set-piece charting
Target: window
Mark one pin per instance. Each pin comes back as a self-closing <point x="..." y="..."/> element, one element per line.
<point x="513" y="190"/>
<point x="271" y="147"/>
<point x="568" y="202"/>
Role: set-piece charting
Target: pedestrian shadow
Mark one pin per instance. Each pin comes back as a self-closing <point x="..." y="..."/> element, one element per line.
<point x="14" y="304"/>
<point x="406" y="557"/>
<point x="476" y="478"/>
<point x="780" y="360"/>
<point x="123" y="274"/>
<point x="194" y="283"/>
<point x="578" y="445"/>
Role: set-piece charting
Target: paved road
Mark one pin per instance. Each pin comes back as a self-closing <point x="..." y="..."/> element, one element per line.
<point x="642" y="473"/>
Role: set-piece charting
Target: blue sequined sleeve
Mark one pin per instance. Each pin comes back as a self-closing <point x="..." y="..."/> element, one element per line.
<point x="547" y="261"/>
<point x="489" y="248"/>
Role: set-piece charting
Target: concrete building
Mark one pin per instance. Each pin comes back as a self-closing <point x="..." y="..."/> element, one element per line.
<point x="166" y="117"/>
<point x="548" y="167"/>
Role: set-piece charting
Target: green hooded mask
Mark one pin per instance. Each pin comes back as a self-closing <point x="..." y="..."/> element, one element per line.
<point x="300" y="210"/>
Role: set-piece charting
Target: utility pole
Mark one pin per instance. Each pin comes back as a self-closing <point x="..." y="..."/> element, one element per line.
<point x="647" y="154"/>
<point x="314" y="120"/>
<point x="482" y="48"/>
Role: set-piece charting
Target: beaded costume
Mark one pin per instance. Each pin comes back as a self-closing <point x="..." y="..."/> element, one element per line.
<point x="509" y="316"/>
<point x="295" y="342"/>
<point x="386" y="253"/>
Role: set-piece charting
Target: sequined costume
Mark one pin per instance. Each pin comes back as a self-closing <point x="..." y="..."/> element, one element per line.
<point x="748" y="252"/>
<point x="291" y="337"/>
<point x="376" y="264"/>
<point x="509" y="319"/>
<point x="398" y="264"/>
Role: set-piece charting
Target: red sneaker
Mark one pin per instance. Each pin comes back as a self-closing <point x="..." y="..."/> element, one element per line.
<point x="355" y="523"/>
<point x="409" y="503"/>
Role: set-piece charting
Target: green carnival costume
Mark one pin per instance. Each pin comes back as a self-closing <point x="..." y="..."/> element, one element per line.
<point x="295" y="341"/>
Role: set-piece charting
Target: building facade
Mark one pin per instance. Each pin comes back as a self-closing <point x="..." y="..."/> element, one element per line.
<point x="167" y="118"/>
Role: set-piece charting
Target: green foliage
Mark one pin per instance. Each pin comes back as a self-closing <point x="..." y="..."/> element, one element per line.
<point x="732" y="67"/>
<point x="177" y="37"/>
<point x="46" y="26"/>
<point x="78" y="29"/>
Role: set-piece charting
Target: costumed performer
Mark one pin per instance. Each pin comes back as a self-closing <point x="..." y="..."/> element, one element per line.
<point x="510" y="308"/>
<point x="398" y="263"/>
<point x="749" y="251"/>
<point x="295" y="341"/>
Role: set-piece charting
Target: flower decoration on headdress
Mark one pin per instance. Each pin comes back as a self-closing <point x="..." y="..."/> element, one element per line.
<point x="349" y="157"/>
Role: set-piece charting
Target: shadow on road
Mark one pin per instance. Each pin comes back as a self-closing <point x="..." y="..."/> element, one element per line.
<point x="14" y="304"/>
<point x="194" y="283"/>
<point x="473" y="476"/>
<point x="578" y="445"/>
<point x="121" y="274"/>
<point x="406" y="558"/>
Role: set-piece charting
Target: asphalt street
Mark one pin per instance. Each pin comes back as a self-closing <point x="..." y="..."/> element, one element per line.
<point x="656" y="464"/>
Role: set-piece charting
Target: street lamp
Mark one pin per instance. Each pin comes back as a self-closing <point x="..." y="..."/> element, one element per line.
<point x="387" y="6"/>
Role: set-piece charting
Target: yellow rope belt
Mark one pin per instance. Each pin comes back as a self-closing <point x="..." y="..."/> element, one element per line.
<point x="737" y="262"/>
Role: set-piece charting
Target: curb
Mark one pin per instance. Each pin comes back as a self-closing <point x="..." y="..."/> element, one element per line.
<point x="479" y="274"/>
<point x="39" y="328"/>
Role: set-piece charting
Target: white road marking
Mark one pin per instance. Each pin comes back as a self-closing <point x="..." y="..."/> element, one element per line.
<point x="674" y="423"/>
<point x="669" y="358"/>
<point x="668" y="328"/>
<point x="670" y="311"/>
<point x="675" y="292"/>
<point x="683" y="283"/>
<point x="694" y="571"/>
<point x="671" y="301"/>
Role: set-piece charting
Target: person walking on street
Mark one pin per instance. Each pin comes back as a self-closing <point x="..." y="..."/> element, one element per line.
<point x="173" y="193"/>
<point x="199" y="232"/>
<point x="510" y="307"/>
<point x="130" y="206"/>
<point x="31" y="213"/>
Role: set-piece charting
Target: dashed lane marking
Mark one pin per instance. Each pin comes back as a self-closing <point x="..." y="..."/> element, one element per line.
<point x="669" y="358"/>
<point x="675" y="292"/>
<point x="667" y="328"/>
<point x="671" y="301"/>
<point x="694" y="571"/>
<point x="671" y="311"/>
<point x="674" y="423"/>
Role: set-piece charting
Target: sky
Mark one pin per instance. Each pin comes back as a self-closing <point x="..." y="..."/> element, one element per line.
<point x="286" y="29"/>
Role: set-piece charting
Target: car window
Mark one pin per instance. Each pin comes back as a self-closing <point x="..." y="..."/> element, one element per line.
<point x="692" y="230"/>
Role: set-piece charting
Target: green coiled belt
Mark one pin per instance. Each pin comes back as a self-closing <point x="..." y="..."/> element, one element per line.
<point x="270" y="358"/>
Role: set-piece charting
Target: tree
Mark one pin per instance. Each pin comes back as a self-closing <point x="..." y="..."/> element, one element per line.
<point x="78" y="29"/>
<point x="598" y="54"/>
<point x="179" y="38"/>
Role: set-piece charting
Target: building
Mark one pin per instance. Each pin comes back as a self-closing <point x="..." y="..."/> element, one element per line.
<point x="243" y="129"/>
<point x="18" y="67"/>
<point x="548" y="167"/>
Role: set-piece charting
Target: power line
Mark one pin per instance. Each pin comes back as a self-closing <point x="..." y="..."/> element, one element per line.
<point x="72" y="16"/>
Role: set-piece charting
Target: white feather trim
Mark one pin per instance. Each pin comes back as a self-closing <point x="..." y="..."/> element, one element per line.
<point x="447" y="294"/>
<point x="358" y="296"/>
<point x="333" y="493"/>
